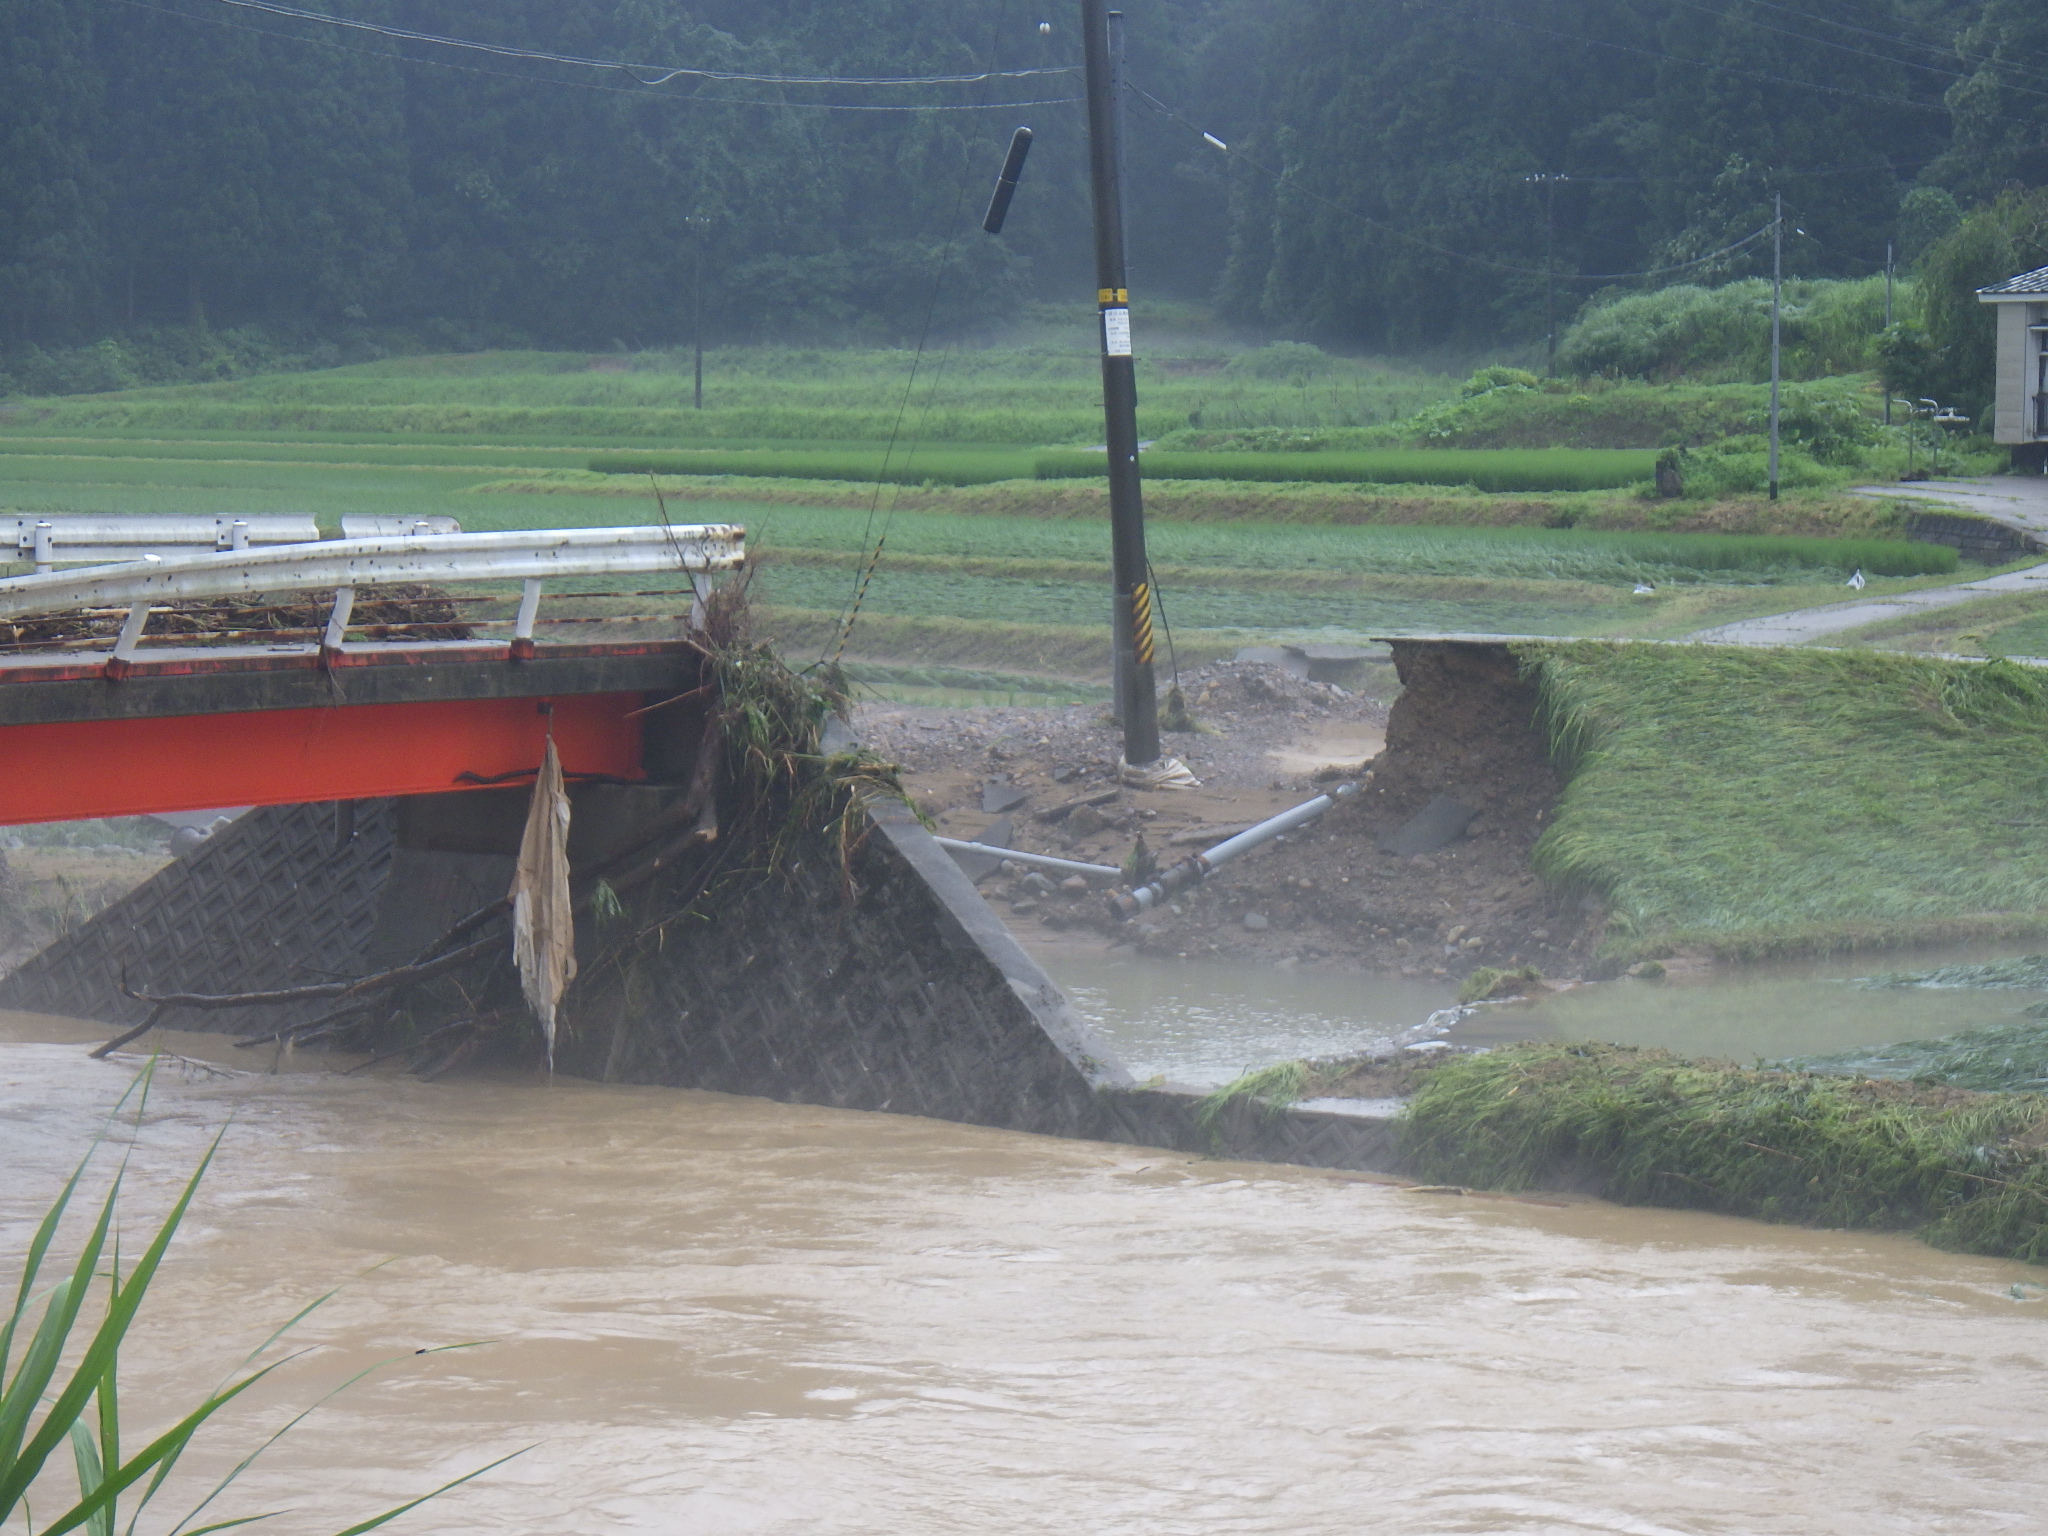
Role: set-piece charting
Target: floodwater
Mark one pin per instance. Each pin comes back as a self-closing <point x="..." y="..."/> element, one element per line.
<point x="1762" y="1012"/>
<point x="1206" y="1022"/>
<point x="714" y="1315"/>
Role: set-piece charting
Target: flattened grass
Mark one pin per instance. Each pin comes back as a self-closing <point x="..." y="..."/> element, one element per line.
<point x="1767" y="801"/>
<point x="1643" y="1127"/>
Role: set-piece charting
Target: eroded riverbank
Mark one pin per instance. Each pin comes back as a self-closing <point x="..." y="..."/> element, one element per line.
<point x="725" y="1315"/>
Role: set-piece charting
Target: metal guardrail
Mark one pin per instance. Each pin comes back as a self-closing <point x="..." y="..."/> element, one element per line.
<point x="53" y="538"/>
<point x="530" y="556"/>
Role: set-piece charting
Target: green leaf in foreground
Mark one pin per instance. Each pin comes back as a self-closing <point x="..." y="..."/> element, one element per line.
<point x="38" y="1413"/>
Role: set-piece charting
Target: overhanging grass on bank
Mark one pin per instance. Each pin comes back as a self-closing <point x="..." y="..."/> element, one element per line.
<point x="1642" y="1127"/>
<point x="1766" y="801"/>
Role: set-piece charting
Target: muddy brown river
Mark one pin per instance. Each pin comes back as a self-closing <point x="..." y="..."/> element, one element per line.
<point x="714" y="1315"/>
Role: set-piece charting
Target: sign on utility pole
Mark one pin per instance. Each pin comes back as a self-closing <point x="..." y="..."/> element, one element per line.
<point x="1131" y="615"/>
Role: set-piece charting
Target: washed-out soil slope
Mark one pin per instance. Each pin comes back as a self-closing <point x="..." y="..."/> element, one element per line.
<point x="1463" y="725"/>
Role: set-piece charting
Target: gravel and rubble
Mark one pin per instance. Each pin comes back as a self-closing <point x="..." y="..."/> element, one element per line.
<point x="1325" y="895"/>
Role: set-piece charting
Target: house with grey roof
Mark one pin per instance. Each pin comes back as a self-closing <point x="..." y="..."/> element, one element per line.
<point x="2019" y="417"/>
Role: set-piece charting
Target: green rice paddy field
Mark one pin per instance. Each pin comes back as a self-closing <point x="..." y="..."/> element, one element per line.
<point x="475" y="438"/>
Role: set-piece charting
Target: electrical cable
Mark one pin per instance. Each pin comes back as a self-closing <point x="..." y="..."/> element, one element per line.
<point x="1282" y="178"/>
<point x="664" y="73"/>
<point x="1950" y="49"/>
<point x="1774" y="173"/>
<point x="588" y="85"/>
<point x="1731" y="69"/>
<point x="874" y="560"/>
<point x="1730" y="14"/>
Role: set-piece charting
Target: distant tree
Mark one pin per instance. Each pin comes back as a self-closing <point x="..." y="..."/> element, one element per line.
<point x="2007" y="236"/>
<point x="1925" y="215"/>
<point x="2000" y="111"/>
<point x="51" y="200"/>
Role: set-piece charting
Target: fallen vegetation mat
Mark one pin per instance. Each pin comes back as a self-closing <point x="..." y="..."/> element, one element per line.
<point x="1965" y="1171"/>
<point x="1756" y="802"/>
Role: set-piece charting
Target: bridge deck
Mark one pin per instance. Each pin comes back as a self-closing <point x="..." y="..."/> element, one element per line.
<point x="187" y="728"/>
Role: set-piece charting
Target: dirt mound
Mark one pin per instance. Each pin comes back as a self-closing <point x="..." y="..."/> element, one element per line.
<point x="1464" y="727"/>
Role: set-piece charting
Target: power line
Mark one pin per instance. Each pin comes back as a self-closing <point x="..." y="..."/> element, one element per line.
<point x="1284" y="178"/>
<point x="1952" y="48"/>
<point x="1731" y="69"/>
<point x="1821" y="42"/>
<point x="664" y="73"/>
<point x="591" y="85"/>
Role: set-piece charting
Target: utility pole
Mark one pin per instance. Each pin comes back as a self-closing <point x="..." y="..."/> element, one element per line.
<point x="1548" y="183"/>
<point x="1137" y="696"/>
<point x="697" y="311"/>
<point x="1887" y="322"/>
<point x="1777" y="306"/>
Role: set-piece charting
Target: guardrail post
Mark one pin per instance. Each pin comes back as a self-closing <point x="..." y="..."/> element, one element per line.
<point x="238" y="533"/>
<point x="700" y="587"/>
<point x="529" y="612"/>
<point x="127" y="640"/>
<point x="337" y="623"/>
<point x="46" y="556"/>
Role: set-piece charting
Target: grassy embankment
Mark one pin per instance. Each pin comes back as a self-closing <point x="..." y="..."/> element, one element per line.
<point x="1962" y="1169"/>
<point x="1752" y="803"/>
<point x="1965" y="1171"/>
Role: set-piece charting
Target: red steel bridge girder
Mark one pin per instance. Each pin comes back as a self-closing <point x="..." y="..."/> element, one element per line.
<point x="76" y="769"/>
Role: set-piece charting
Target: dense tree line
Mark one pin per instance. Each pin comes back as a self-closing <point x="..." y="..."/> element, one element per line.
<point x="191" y="163"/>
<point x="1674" y="124"/>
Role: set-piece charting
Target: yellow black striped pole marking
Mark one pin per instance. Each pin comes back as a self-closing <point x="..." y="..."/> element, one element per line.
<point x="1141" y="622"/>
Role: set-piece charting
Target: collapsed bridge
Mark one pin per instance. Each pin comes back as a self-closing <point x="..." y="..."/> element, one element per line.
<point x="795" y="934"/>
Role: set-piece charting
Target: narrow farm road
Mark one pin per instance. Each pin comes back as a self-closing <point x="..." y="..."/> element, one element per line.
<point x="1804" y="625"/>
<point x="2020" y="501"/>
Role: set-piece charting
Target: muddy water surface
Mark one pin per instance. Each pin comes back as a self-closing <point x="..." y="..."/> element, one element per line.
<point x="1208" y="1021"/>
<point x="719" y="1315"/>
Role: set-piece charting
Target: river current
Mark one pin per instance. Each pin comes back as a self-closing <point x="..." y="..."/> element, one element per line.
<point x="713" y="1315"/>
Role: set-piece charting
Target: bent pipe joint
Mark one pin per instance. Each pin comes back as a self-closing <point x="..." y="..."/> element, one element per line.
<point x="1200" y="866"/>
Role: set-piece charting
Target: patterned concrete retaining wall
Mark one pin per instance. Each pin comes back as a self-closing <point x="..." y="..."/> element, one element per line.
<point x="1974" y="538"/>
<point x="286" y="896"/>
<point x="912" y="998"/>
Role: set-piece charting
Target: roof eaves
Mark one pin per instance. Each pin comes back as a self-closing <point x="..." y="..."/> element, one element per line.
<point x="2024" y="285"/>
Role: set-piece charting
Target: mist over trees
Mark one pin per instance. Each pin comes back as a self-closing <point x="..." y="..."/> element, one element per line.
<point x="194" y="164"/>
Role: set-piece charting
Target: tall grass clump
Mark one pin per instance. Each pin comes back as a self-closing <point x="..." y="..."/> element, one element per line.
<point x="1723" y="335"/>
<point x="1761" y="800"/>
<point x="1643" y="1127"/>
<point x="60" y="1392"/>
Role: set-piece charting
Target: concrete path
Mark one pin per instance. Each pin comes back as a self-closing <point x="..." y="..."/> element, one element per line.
<point x="1808" y="624"/>
<point x="2018" y="500"/>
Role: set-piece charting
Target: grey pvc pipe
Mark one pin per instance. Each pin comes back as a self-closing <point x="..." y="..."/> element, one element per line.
<point x="1198" y="867"/>
<point x="1036" y="860"/>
